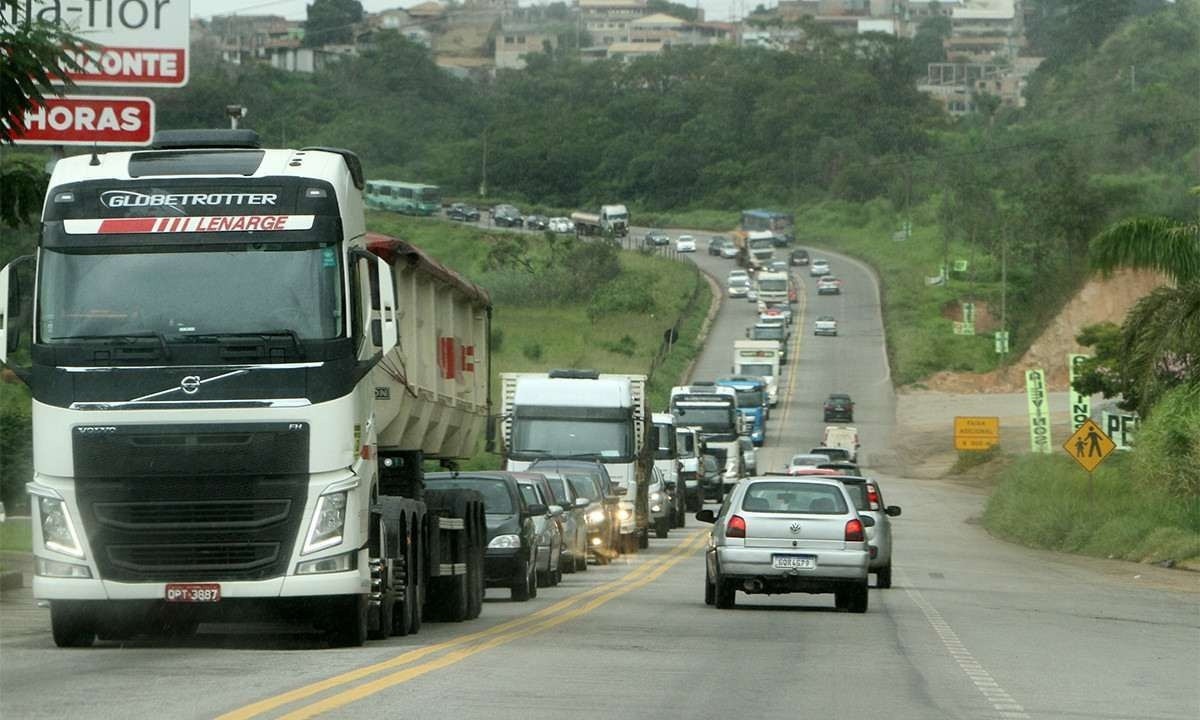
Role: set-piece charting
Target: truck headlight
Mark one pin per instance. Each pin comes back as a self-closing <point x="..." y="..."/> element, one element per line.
<point x="655" y="496"/>
<point x="337" y="563"/>
<point x="505" y="542"/>
<point x="53" y="568"/>
<point x="623" y="514"/>
<point x="327" y="524"/>
<point x="595" y="517"/>
<point x="58" y="532"/>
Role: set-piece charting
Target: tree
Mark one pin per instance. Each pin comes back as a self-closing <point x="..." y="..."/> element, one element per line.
<point x="927" y="43"/>
<point x="1160" y="338"/>
<point x="331" y="22"/>
<point x="36" y="55"/>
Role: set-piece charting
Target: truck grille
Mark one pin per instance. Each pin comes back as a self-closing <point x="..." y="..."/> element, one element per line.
<point x="217" y="557"/>
<point x="192" y="503"/>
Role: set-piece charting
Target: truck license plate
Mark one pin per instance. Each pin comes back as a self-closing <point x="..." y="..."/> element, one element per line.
<point x="193" y="592"/>
<point x="797" y="562"/>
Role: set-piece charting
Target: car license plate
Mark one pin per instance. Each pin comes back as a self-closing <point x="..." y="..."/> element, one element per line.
<point x="193" y="592"/>
<point x="793" y="562"/>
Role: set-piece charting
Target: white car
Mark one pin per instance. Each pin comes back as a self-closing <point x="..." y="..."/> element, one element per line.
<point x="729" y="251"/>
<point x="818" y="267"/>
<point x="685" y="243"/>
<point x="825" y="325"/>
<point x="560" y="225"/>
<point x="738" y="287"/>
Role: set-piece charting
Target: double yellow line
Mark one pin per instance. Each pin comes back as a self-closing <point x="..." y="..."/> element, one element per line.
<point x="793" y="361"/>
<point x="465" y="646"/>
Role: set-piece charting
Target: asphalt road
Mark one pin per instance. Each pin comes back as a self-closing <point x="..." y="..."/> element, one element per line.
<point x="972" y="627"/>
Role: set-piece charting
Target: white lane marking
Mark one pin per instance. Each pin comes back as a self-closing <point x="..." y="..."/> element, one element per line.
<point x="1003" y="703"/>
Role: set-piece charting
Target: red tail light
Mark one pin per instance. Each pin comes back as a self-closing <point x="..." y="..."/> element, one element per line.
<point x="854" y="531"/>
<point x="872" y="497"/>
<point x="736" y="527"/>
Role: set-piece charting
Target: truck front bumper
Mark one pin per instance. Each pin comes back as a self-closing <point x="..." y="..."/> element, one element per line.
<point x="352" y="582"/>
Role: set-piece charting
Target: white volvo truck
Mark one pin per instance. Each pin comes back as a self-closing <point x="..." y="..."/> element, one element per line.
<point x="584" y="414"/>
<point x="712" y="411"/>
<point x="234" y="387"/>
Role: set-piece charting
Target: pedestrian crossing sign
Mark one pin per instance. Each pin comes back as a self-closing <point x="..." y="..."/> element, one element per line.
<point x="1089" y="445"/>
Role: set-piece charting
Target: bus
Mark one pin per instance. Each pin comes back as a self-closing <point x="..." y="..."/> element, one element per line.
<point x="403" y="197"/>
<point x="781" y="225"/>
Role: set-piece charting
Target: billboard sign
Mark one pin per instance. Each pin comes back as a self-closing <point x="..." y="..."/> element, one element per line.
<point x="138" y="43"/>
<point x="87" y="120"/>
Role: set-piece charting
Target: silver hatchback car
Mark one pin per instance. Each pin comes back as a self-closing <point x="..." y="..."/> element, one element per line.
<point x="777" y="534"/>
<point x="868" y="500"/>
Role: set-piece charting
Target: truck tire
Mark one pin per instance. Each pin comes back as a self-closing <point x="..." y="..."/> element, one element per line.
<point x="643" y="538"/>
<point x="661" y="526"/>
<point x="73" y="624"/>
<point x="452" y="592"/>
<point x="348" y="625"/>
<point x="475" y="572"/>
<point x="581" y="561"/>
<point x="383" y="543"/>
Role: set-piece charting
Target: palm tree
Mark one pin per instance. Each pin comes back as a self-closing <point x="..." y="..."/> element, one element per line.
<point x="1160" y="338"/>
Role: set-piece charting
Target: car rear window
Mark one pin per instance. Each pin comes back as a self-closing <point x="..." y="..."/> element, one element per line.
<point x="858" y="495"/>
<point x="794" y="497"/>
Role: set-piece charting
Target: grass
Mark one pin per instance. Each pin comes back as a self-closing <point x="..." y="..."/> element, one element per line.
<point x="16" y="535"/>
<point x="920" y="340"/>
<point x="1045" y="502"/>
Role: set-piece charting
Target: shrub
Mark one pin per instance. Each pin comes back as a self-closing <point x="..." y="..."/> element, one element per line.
<point x="532" y="351"/>
<point x="628" y="293"/>
<point x="1168" y="444"/>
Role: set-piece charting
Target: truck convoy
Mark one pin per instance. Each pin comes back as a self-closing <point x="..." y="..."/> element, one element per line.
<point x="610" y="220"/>
<point x="712" y="411"/>
<point x="584" y="414"/>
<point x="234" y="388"/>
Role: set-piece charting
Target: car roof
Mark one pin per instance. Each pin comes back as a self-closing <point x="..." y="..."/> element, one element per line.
<point x="784" y="477"/>
<point x="838" y="396"/>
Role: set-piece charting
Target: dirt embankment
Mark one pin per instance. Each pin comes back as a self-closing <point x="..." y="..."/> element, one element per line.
<point x="1100" y="299"/>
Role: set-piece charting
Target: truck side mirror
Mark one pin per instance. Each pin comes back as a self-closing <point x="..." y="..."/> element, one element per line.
<point x="13" y="308"/>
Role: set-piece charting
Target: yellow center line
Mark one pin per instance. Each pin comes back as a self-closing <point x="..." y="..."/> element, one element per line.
<point x="793" y="362"/>
<point x="365" y="690"/>
<point x="271" y="703"/>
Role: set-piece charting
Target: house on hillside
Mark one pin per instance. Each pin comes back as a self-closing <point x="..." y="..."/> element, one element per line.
<point x="514" y="42"/>
<point x="607" y="21"/>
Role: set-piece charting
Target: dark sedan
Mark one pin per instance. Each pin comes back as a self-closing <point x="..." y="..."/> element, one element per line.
<point x="507" y="216"/>
<point x="537" y="222"/>
<point x="463" y="212"/>
<point x="511" y="559"/>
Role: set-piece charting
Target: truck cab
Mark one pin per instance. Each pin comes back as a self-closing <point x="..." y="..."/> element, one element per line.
<point x="759" y="358"/>
<point x="568" y="414"/>
<point x="712" y="411"/>
<point x="752" y="403"/>
<point x="689" y="449"/>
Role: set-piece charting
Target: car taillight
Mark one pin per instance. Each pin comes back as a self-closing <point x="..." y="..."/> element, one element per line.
<point x="873" y="497"/>
<point x="736" y="527"/>
<point x="854" y="530"/>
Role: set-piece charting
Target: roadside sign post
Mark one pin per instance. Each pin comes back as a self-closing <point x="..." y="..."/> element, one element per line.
<point x="1039" y="414"/>
<point x="976" y="433"/>
<point x="1081" y="404"/>
<point x="1089" y="446"/>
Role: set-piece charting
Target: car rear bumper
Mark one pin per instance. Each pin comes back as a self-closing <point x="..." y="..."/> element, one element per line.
<point x="824" y="331"/>
<point x="835" y="568"/>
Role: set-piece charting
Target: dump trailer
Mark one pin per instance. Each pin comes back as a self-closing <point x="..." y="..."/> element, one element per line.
<point x="235" y="387"/>
<point x="584" y="414"/>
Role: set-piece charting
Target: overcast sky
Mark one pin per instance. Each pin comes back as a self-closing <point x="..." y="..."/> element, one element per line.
<point x="295" y="9"/>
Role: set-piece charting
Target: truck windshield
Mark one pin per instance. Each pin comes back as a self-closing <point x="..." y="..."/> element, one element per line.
<point x="773" y="285"/>
<point x="764" y="370"/>
<point x="708" y="419"/>
<point x="750" y="398"/>
<point x="767" y="333"/>
<point x="532" y="438"/>
<point x="234" y="289"/>
<point x="761" y="244"/>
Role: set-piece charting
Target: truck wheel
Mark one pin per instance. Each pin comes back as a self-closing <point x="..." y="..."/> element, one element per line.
<point x="402" y="610"/>
<point x="643" y="539"/>
<point x="349" y="625"/>
<point x="381" y="541"/>
<point x="454" y="596"/>
<point x="475" y="575"/>
<point x="72" y="624"/>
<point x="628" y="544"/>
<point x="581" y="561"/>
<point x="660" y="527"/>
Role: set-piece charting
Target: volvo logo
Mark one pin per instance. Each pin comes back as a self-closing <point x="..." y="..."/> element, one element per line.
<point x="190" y="384"/>
<point x="96" y="429"/>
<point x="795" y="528"/>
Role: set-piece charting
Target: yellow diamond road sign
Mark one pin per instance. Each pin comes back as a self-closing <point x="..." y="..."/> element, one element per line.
<point x="1089" y="445"/>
